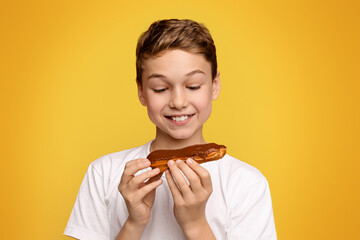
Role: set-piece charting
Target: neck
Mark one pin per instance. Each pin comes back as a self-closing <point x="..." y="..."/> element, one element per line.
<point x="164" y="141"/>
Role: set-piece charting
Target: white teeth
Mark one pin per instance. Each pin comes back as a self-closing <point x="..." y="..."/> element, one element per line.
<point x="180" y="119"/>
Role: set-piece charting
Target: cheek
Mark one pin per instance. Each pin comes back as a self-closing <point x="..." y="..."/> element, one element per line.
<point x="204" y="104"/>
<point x="154" y="106"/>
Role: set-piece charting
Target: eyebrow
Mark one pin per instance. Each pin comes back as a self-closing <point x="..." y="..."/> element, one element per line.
<point x="156" y="75"/>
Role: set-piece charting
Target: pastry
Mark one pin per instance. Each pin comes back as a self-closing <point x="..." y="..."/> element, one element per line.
<point x="200" y="153"/>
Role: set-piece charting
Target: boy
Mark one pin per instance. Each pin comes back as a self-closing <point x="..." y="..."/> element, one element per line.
<point x="177" y="81"/>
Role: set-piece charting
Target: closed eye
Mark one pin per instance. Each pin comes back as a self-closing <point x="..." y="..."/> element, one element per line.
<point x="159" y="90"/>
<point x="194" y="87"/>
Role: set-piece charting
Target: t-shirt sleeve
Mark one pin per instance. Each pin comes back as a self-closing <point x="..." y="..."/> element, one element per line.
<point x="252" y="214"/>
<point x="88" y="219"/>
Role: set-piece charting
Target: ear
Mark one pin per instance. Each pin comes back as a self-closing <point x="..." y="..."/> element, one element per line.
<point x="216" y="86"/>
<point x="141" y="94"/>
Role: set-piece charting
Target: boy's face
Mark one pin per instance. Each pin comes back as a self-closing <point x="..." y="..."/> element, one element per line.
<point x="178" y="90"/>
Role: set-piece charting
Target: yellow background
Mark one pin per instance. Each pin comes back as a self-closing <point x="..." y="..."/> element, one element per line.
<point x="289" y="104"/>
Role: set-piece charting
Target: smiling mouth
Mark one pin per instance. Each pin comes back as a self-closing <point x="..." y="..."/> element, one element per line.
<point x="179" y="118"/>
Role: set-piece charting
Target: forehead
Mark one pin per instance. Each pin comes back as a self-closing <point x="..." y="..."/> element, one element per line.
<point x="176" y="63"/>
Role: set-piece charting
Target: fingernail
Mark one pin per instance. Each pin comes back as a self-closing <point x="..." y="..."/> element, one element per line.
<point x="145" y="162"/>
<point x="189" y="161"/>
<point x="156" y="170"/>
<point x="171" y="162"/>
<point x="178" y="162"/>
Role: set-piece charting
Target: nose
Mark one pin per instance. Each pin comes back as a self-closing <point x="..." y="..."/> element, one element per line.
<point x="178" y="99"/>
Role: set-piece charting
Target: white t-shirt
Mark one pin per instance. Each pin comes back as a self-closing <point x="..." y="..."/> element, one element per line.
<point x="239" y="207"/>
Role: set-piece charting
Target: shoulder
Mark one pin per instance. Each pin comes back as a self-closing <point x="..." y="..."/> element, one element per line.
<point x="239" y="170"/>
<point x="241" y="183"/>
<point x="246" y="195"/>
<point x="236" y="178"/>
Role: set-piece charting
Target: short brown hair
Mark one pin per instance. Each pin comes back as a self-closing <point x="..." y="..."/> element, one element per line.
<point x="170" y="34"/>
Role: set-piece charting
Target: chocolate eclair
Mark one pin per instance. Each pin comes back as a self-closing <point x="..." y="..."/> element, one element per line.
<point x="200" y="153"/>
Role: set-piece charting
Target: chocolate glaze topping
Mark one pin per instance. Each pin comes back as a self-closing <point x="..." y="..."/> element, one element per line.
<point x="200" y="150"/>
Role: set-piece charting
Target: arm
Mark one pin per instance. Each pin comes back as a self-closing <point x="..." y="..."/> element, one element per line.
<point x="139" y="197"/>
<point x="130" y="231"/>
<point x="190" y="199"/>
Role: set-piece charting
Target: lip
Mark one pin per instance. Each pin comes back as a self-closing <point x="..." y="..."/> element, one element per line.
<point x="179" y="115"/>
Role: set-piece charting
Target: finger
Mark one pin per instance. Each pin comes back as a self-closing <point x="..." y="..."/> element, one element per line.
<point x="175" y="192"/>
<point x="151" y="179"/>
<point x="142" y="192"/>
<point x="132" y="167"/>
<point x="155" y="178"/>
<point x="202" y="173"/>
<point x="132" y="162"/>
<point x="179" y="178"/>
<point x="135" y="182"/>
<point x="192" y="177"/>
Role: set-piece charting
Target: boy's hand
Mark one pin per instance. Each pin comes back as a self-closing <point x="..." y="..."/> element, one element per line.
<point x="139" y="196"/>
<point x="190" y="199"/>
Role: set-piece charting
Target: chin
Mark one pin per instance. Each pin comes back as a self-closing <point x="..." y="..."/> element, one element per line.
<point x="182" y="135"/>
